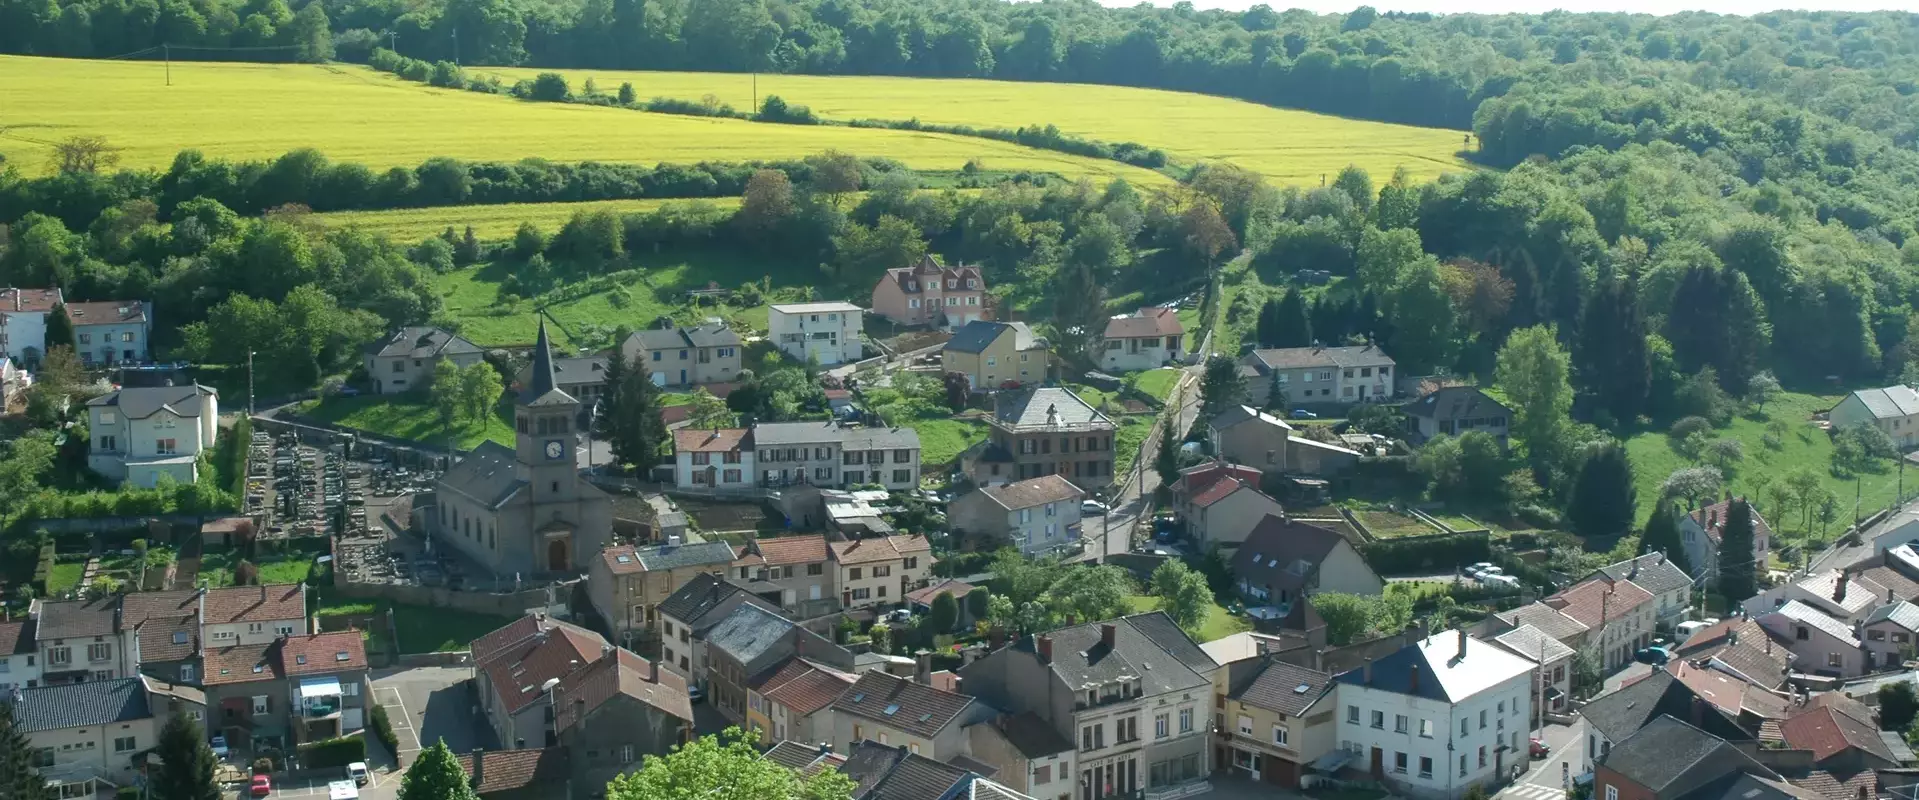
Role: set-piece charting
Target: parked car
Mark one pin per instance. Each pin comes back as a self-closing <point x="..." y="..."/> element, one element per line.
<point x="1656" y="656"/>
<point x="219" y="745"/>
<point x="358" y="772"/>
<point x="1538" y="749"/>
<point x="261" y="787"/>
<point x="695" y="694"/>
<point x="1091" y="507"/>
<point x="1483" y="566"/>
<point x="1300" y="413"/>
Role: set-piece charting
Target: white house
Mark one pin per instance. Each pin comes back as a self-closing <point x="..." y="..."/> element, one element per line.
<point x="1146" y="339"/>
<point x="1848" y="598"/>
<point x="716" y="458"/>
<point x="110" y="331"/>
<point x="1820" y="645"/>
<point x="1699" y="533"/>
<point x="19" y="667"/>
<point x="1894" y="409"/>
<point x="1438" y="716"/>
<point x="1901" y="529"/>
<point x="23" y="323"/>
<point x="139" y="434"/>
<point x="1036" y="514"/>
<point x="829" y="331"/>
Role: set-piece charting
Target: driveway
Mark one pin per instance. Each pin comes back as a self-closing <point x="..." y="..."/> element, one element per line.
<point x="379" y="787"/>
<point x="428" y="704"/>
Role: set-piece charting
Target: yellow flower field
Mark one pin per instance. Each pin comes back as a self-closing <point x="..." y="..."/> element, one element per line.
<point x="495" y="221"/>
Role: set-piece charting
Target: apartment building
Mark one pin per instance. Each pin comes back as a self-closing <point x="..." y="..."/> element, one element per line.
<point x="627" y="583"/>
<point x="517" y="666"/>
<point x="684" y="356"/>
<point x="404" y="361"/>
<point x="1619" y="617"/>
<point x="831" y="455"/>
<point x="139" y="434"/>
<point x="930" y="293"/>
<point x="1046" y="431"/>
<point x="996" y="355"/>
<point x="1320" y="375"/>
<point x="686" y="617"/>
<point x="795" y="573"/>
<point x="293" y="690"/>
<point x="880" y="570"/>
<point x="828" y="333"/>
<point x="89" y="737"/>
<point x="748" y="646"/>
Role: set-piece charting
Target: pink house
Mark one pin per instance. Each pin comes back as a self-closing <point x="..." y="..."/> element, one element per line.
<point x="931" y="294"/>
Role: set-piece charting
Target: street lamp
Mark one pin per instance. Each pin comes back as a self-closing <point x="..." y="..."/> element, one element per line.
<point x="249" y="383"/>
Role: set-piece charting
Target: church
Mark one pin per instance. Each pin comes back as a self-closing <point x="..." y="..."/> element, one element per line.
<point x="526" y="510"/>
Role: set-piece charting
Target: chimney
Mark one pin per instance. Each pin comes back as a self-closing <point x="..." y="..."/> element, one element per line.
<point x="1839" y="589"/>
<point x="1319" y="660"/>
<point x="923" y="667"/>
<point x="653" y="671"/>
<point x="1698" y="712"/>
<point x="1052" y="416"/>
<point x="1732" y="636"/>
<point x="826" y="749"/>
<point x="479" y="767"/>
<point x="1415" y="679"/>
<point x="1462" y="642"/>
<point x="1366" y="673"/>
<point x="1108" y="634"/>
<point x="579" y="715"/>
<point x="1043" y="645"/>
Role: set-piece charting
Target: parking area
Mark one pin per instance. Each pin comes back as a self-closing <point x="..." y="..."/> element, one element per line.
<point x="428" y="704"/>
<point x="377" y="786"/>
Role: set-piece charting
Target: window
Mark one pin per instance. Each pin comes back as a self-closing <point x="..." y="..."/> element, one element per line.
<point x="1043" y="774"/>
<point x="108" y="443"/>
<point x="912" y="562"/>
<point x="260" y="703"/>
<point x="86" y="338"/>
<point x="1482" y="756"/>
<point x="1462" y="767"/>
<point x="902" y="475"/>
<point x="1379" y="720"/>
<point x="1399" y="723"/>
<point x="187" y="673"/>
<point x="1462" y="726"/>
<point x="1612" y="792"/>
<point x="1803" y="634"/>
<point x="816" y="569"/>
<point x="1279" y="736"/>
<point x="853" y="573"/>
<point x="1162" y="726"/>
<point x="1425" y="766"/>
<point x="165" y="447"/>
<point x="1835" y="660"/>
<point x="1482" y="719"/>
<point x="59" y="656"/>
<point x="1352" y="712"/>
<point x="862" y="594"/>
<point x="1245" y="725"/>
<point x="122" y="744"/>
<point x="883" y="571"/>
<point x="1399" y="763"/>
<point x="1426" y="728"/>
<point x="99" y="652"/>
<point x="1185" y="720"/>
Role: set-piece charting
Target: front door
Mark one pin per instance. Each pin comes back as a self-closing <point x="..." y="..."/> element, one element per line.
<point x="1379" y="763"/>
<point x="556" y="555"/>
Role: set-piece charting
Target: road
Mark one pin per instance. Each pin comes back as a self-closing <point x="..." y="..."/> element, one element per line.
<point x="1110" y="533"/>
<point x="1546" y="778"/>
<point x="1841" y="555"/>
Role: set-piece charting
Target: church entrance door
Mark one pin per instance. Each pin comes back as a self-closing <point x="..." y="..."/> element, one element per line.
<point x="556" y="555"/>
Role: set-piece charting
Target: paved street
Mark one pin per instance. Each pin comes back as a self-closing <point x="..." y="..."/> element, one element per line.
<point x="427" y="704"/>
<point x="1111" y="534"/>
<point x="1546" y="778"/>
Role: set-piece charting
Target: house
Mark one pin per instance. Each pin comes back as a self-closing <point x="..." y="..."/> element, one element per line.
<point x="1699" y="533"/>
<point x="1036" y="515"/>
<point x="1026" y="755"/>
<point x="616" y="711"/>
<point x="627" y="583"/>
<point x="1425" y="690"/>
<point x="1669" y="759"/>
<point x="1284" y="560"/>
<point x="1026" y="429"/>
<point x="1894" y="568"/>
<point x="110" y="331"/>
<point x="1840" y="732"/>
<point x="793" y="573"/>
<point x="1618" y="616"/>
<point x="929" y="293"/>
<point x="1319" y="375"/>
<point x="139" y="434"/>
<point x="880" y="570"/>
<point x="19" y="657"/>
<point x="804" y="759"/>
<point x="1891" y="633"/>
<point x="898" y="712"/>
<point x="526" y="510"/>
<point x="1146" y="339"/>
<point x="831" y="455"/>
<point x="159" y="633"/>
<point x="1137" y="728"/>
<point x="79" y="640"/>
<point x="996" y="355"/>
<point x="1245" y="435"/>
<point x="296" y="689"/>
<point x="1547" y="619"/>
<point x="583" y="378"/>
<point x="404" y="361"/>
<point x="1752" y="705"/>
<point x="684" y="356"/>
<point x="748" y="646"/>
<point x="689" y="613"/>
<point x="89" y="737"/>
<point x="529" y="774"/>
<point x="1842" y="596"/>
<point x="1742" y="648"/>
<point x="23" y="324"/>
<point x="827" y="333"/>
<point x="1279" y="719"/>
<point x="1226" y="511"/>
<point x="920" y="601"/>
<point x="796" y="701"/>
<point x="720" y="458"/>
<point x="1552" y="665"/>
<point x="1669" y="585"/>
<point x="1614" y="717"/>
<point x="882" y="772"/>
<point x="1902" y="528"/>
<point x="1820" y="645"/>
<point x="1454" y="410"/>
<point x="1197" y="480"/>
<point x="14" y="382"/>
<point x="515" y="669"/>
<point x="1893" y="409"/>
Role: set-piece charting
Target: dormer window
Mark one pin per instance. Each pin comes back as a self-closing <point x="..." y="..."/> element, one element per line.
<point x="912" y="286"/>
<point x="972" y="284"/>
<point x="952" y="283"/>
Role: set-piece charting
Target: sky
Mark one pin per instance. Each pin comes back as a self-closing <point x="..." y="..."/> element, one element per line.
<point x="1538" y="6"/>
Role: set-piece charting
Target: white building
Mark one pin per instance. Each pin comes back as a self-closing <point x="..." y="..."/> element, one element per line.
<point x="829" y="331"/>
<point x="110" y="331"/>
<point x="713" y="458"/>
<point x="1894" y="409"/>
<point x="19" y="667"/>
<point x="139" y="434"/>
<point x="1847" y="598"/>
<point x="828" y="455"/>
<point x="1820" y="645"/>
<point x="1438" y="716"/>
<point x="1036" y="515"/>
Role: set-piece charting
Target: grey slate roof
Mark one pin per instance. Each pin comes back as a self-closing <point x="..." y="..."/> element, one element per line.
<point x="880" y="772"/>
<point x="1890" y="402"/>
<point x="1032" y="492"/>
<point x="542" y="388"/>
<point x="779" y="434"/>
<point x="1657" y="574"/>
<point x="143" y="402"/>
<point x="674" y="556"/>
<point x="72" y="619"/>
<point x="1620" y="714"/>
<point x="1244" y="413"/>
<point x="71" y="705"/>
<point x="1810" y="617"/>
<point x="1530" y="643"/>
<point x="1276" y="686"/>
<point x="676" y="338"/>
<point x="1081" y="659"/>
<point x="900" y="703"/>
<point x="1902" y="613"/>
<point x="584" y="369"/>
<point x="1317" y="357"/>
<point x="1672" y="758"/>
<point x="976" y="336"/>
<point x="748" y="633"/>
<point x="422" y="342"/>
<point x="1032" y="736"/>
<point x="794" y="755"/>
<point x="699" y="596"/>
<point x="1544" y="617"/>
<point x="1028" y="409"/>
<point x="1456" y="402"/>
<point x="489" y="474"/>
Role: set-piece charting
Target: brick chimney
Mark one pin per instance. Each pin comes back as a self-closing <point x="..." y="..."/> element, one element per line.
<point x="1839" y="589"/>
<point x="1108" y="634"/>
<point x="1463" y="638"/>
<point x="653" y="671"/>
<point x="479" y="767"/>
<point x="923" y="667"/>
<point x="1415" y="680"/>
<point x="1366" y="672"/>
<point x="1043" y="645"/>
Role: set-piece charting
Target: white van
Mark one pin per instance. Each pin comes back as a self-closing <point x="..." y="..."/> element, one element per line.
<point x="1685" y="630"/>
<point x="342" y="790"/>
<point x="358" y="772"/>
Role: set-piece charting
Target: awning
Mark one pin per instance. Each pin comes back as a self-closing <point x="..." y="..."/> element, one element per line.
<point x="319" y="687"/>
<point x="1331" y="762"/>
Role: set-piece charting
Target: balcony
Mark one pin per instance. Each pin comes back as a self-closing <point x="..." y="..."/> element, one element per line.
<point x="320" y="709"/>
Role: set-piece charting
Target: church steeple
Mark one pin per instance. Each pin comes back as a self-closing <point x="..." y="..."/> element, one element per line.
<point x="541" y="380"/>
<point x="544" y="415"/>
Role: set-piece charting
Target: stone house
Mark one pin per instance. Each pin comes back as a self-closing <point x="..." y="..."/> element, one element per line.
<point x="404" y="361"/>
<point x="529" y="774"/>
<point x="515" y="669"/>
<point x="19" y="656"/>
<point x="627" y="583"/>
<point x="1841" y="733"/>
<point x="79" y="640"/>
<point x="138" y="434"/>
<point x="612" y="714"/>
<point x="23" y="324"/>
<point x="683" y="356"/>
<point x="296" y="689"/>
<point x="1891" y="635"/>
<point x="1036" y="515"/>
<point x="1319" y="376"/>
<point x="1454" y="410"/>
<point x="1552" y="666"/>
<point x="1245" y="435"/>
<point x="1619" y="617"/>
<point x="1614" y="717"/>
<point x="110" y="331"/>
<point x="794" y="573"/>
<point x="1669" y="759"/>
<point x="880" y="570"/>
<point x="996" y="355"/>
<point x="1669" y="585"/>
<point x="1284" y="560"/>
<point x="1146" y="339"/>
<point x="690" y="613"/>
<point x="930" y="293"/>
<point x="1047" y="431"/>
<point x="1279" y="719"/>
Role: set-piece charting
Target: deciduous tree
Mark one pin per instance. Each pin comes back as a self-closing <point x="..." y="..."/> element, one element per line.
<point x="437" y="775"/>
<point x="1533" y="372"/>
<point x="724" y="767"/>
<point x="1602" y="493"/>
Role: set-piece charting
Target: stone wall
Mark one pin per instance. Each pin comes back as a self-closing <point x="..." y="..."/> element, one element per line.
<point x="505" y="604"/>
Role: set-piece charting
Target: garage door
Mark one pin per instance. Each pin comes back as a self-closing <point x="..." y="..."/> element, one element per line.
<point x="350" y="719"/>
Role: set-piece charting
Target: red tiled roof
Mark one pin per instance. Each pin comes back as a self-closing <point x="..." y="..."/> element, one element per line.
<point x="1715" y="514"/>
<point x="1584" y="601"/>
<point x="1220" y="490"/>
<point x="704" y="440"/>
<point x="622" y="559"/>
<point x="518" y="673"/>
<point x="508" y="770"/>
<point x="879" y="548"/>
<point x="675" y="414"/>
<point x="169" y="638"/>
<point x="1718" y="688"/>
<point x="936" y="272"/>
<point x="620" y="672"/>
<point x="1827" y="732"/>
<point x="13" y="634"/>
<point x="1146" y="322"/>
<point x="323" y="652"/>
<point x="17" y="300"/>
<point x="1195" y="480"/>
<point x="1834" y="787"/>
<point x="782" y="550"/>
<point x="804" y="687"/>
<point x="486" y="647"/>
<point x="241" y="663"/>
<point x="926" y="596"/>
<point x="257" y="604"/>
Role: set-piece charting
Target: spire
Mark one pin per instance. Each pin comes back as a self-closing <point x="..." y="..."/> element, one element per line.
<point x="541" y="380"/>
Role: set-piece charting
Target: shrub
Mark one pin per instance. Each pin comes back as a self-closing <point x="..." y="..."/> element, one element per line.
<point x="383" y="729"/>
<point x="263" y="766"/>
<point x="1687" y="426"/>
<point x="333" y="752"/>
<point x="1427" y="553"/>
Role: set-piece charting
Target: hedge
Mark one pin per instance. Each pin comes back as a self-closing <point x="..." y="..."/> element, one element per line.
<point x="1428" y="554"/>
<point x="43" y="570"/>
<point x="333" y="752"/>
<point x="383" y="730"/>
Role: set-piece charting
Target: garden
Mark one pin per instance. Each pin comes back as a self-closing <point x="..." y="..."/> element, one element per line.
<point x="419" y="629"/>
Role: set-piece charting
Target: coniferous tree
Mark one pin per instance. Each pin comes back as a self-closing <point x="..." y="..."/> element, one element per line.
<point x="436" y="775"/>
<point x="1736" y="568"/>
<point x="19" y="780"/>
<point x="1079" y="314"/>
<point x="1613" y="359"/>
<point x="1265" y="328"/>
<point x="186" y="769"/>
<point x="60" y="327"/>
<point x="1220" y="386"/>
<point x="1292" y="325"/>
<point x="1662" y="536"/>
<point x="604" y="424"/>
<point x="1602" y="494"/>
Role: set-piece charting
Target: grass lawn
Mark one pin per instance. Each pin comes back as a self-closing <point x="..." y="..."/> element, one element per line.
<point x="1388" y="525"/>
<point x="65" y="576"/>
<point x="1155" y="382"/>
<point x="1803" y="447"/>
<point x="943" y="439"/>
<point x="290" y="566"/>
<point x="675" y="399"/>
<point x="1219" y="624"/>
<point x="407" y="417"/>
<point x="1126" y="442"/>
<point x="422" y="629"/>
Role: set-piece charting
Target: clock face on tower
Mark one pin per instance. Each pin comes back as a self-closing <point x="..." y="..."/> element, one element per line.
<point x="555" y="449"/>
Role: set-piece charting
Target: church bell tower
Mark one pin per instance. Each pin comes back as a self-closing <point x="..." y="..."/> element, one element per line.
<point x="544" y="422"/>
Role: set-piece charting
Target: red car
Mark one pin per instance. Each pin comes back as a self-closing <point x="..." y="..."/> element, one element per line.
<point x="262" y="786"/>
<point x="1538" y="749"/>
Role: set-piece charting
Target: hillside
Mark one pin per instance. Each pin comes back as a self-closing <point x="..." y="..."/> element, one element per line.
<point x="1291" y="147"/>
<point x="355" y="114"/>
<point x="490" y="222"/>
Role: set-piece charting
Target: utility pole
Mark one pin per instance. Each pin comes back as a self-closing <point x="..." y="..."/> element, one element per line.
<point x="393" y="41"/>
<point x="249" y="383"/>
<point x="167" y="55"/>
<point x="456" y="47"/>
<point x="756" y="93"/>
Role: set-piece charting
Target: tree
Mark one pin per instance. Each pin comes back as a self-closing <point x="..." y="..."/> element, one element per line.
<point x="19" y="780"/>
<point x="630" y="415"/>
<point x="944" y="615"/>
<point x="1348" y="616"/>
<point x="627" y="95"/>
<point x="766" y="206"/>
<point x="311" y="33"/>
<point x="1183" y="595"/>
<point x="707" y="411"/>
<point x="1166" y="461"/>
<point x="1736" y="568"/>
<point x="835" y="174"/>
<point x="1220" y="386"/>
<point x="1277" y="398"/>
<point x="1898" y="704"/>
<point x="83" y="155"/>
<point x="1692" y="483"/>
<point x="1423" y="318"/>
<point x="1079" y="314"/>
<point x="1090" y="593"/>
<point x="724" y="767"/>
<point x="1588" y="672"/>
<point x="448" y="391"/>
<point x="1661" y="535"/>
<point x="1533" y="371"/>
<point x="957" y="389"/>
<point x="1762" y="388"/>
<point x="1205" y="232"/>
<point x="480" y="390"/>
<point x="186" y="763"/>
<point x="551" y="87"/>
<point x="1613" y="358"/>
<point x="60" y="327"/>
<point x="437" y="775"/>
<point x="1291" y="326"/>
<point x="979" y="602"/>
<point x="1602" y="492"/>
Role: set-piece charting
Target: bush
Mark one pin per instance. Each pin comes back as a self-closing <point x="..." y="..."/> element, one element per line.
<point x="333" y="752"/>
<point x="1540" y="516"/>
<point x="1426" y="554"/>
<point x="383" y="729"/>
<point x="1687" y="426"/>
<point x="263" y="766"/>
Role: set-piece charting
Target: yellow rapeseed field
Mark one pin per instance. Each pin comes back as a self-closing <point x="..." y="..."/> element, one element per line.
<point x="1295" y="147"/>
<point x="353" y="113"/>
<point x="491" y="222"/>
